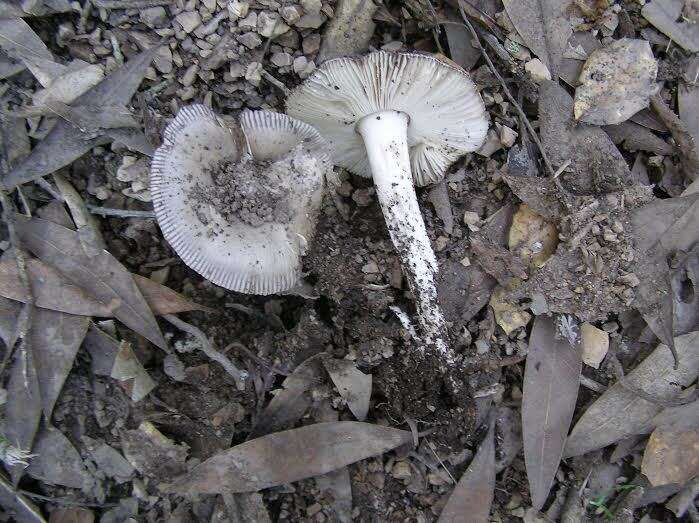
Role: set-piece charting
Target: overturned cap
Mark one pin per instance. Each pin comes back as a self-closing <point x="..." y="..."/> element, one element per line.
<point x="239" y="205"/>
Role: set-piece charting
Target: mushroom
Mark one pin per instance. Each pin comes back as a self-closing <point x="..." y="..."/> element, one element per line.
<point x="239" y="203"/>
<point x="401" y="119"/>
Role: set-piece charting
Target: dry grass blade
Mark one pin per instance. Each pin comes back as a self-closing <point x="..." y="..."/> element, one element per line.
<point x="551" y="383"/>
<point x="102" y="276"/>
<point x="285" y="457"/>
<point x="473" y="495"/>
<point x="620" y="413"/>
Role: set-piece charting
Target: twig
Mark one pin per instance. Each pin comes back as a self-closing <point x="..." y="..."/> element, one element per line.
<point x="208" y="348"/>
<point x="506" y="90"/>
<point x="592" y="384"/>
<point x="429" y="444"/>
<point x="254" y="357"/>
<point x="686" y="142"/>
<point x="119" y="213"/>
<point x="276" y="83"/>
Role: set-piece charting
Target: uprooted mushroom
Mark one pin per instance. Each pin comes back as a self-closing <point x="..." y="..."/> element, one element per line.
<point x="239" y="203"/>
<point x="399" y="118"/>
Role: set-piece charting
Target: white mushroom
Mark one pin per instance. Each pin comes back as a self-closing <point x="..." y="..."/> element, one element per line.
<point x="239" y="204"/>
<point x="401" y="119"/>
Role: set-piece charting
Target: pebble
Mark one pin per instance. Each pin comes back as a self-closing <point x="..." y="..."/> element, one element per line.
<point x="249" y="22"/>
<point x="270" y="25"/>
<point x="507" y="136"/>
<point x="630" y="279"/>
<point x="291" y="14"/>
<point x="154" y="16"/>
<point x="370" y="268"/>
<point x="311" y="6"/>
<point x="250" y="40"/>
<point x="537" y="70"/>
<point x="595" y="344"/>
<point x="282" y="59"/>
<point x="362" y="197"/>
<point x="189" y="20"/>
<point x="311" y="43"/>
<point x="238" y="9"/>
<point x="310" y="21"/>
<point x="401" y="470"/>
<point x="253" y="73"/>
<point x="190" y="75"/>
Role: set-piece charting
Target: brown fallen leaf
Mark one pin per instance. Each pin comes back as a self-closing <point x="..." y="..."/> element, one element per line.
<point x="671" y="457"/>
<point x="352" y="384"/>
<point x="293" y="400"/>
<point x="551" y="383"/>
<point x="52" y="291"/>
<point x="130" y="374"/>
<point x="635" y="137"/>
<point x="102" y="276"/>
<point x="23" y="509"/>
<point x="288" y="456"/>
<point x="55" y="338"/>
<point x="596" y="165"/>
<point x="620" y="413"/>
<point x="532" y="237"/>
<point x="545" y="27"/>
<point x="684" y="281"/>
<point x="677" y="419"/>
<point x="463" y="291"/>
<point x="20" y="42"/>
<point x="473" y="494"/>
<point x="57" y="462"/>
<point x="439" y="198"/>
<point x="65" y="143"/>
<point x="617" y="81"/>
<point x="666" y="16"/>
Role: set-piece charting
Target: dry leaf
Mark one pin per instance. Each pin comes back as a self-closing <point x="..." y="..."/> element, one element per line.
<point x="65" y="143"/>
<point x="130" y="374"/>
<point x="57" y="462"/>
<point x="55" y="338"/>
<point x="596" y="165"/>
<point x="20" y="42"/>
<point x="684" y="282"/>
<point x="152" y="453"/>
<point x="336" y="483"/>
<point x="22" y="508"/>
<point x="52" y="291"/>
<point x="9" y="312"/>
<point x="620" y="413"/>
<point x="102" y="276"/>
<point x="69" y="86"/>
<point x="102" y="349"/>
<point x="71" y="515"/>
<point x="294" y="399"/>
<point x="544" y="26"/>
<point x="551" y="382"/>
<point x="23" y="408"/>
<point x="664" y="14"/>
<point x="285" y="457"/>
<point x="473" y="494"/>
<point x="531" y="237"/>
<point x="349" y="31"/>
<point x="617" y="81"/>
<point x="439" y="198"/>
<point x="352" y="384"/>
<point x="678" y="419"/>
<point x="671" y="457"/>
<point x="246" y="506"/>
<point x="637" y="138"/>
<point x="461" y="50"/>
<point x="541" y="194"/>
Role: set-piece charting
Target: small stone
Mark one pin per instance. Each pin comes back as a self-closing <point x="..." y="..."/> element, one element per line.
<point x="595" y="344"/>
<point x="154" y="16"/>
<point x="173" y="367"/>
<point x="249" y="22"/>
<point x="471" y="219"/>
<point x="617" y="227"/>
<point x="482" y="346"/>
<point x="253" y="74"/>
<point x="630" y="279"/>
<point x="311" y="43"/>
<point x="314" y="509"/>
<point x="507" y="136"/>
<point x="401" y="470"/>
<point x="370" y="268"/>
<point x="237" y="70"/>
<point x="537" y="70"/>
<point x="441" y="243"/>
<point x="190" y="75"/>
<point x="465" y="261"/>
<point x="250" y="40"/>
<point x="436" y="479"/>
<point x="362" y="197"/>
<point x="270" y="25"/>
<point x="237" y="9"/>
<point x="291" y="14"/>
<point x="311" y="6"/>
<point x="282" y="59"/>
<point x="189" y="20"/>
<point x="311" y="21"/>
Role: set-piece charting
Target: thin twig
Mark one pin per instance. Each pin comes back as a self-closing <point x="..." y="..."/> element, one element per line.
<point x="591" y="384"/>
<point x="520" y="112"/>
<point x="208" y="348"/>
<point x="429" y="444"/>
<point x="119" y="213"/>
<point x="276" y="83"/>
<point x="254" y="357"/>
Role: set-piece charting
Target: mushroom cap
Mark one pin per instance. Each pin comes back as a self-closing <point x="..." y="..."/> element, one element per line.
<point x="255" y="259"/>
<point x="447" y="115"/>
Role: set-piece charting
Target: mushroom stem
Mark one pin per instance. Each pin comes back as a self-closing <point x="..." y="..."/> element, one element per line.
<point x="385" y="135"/>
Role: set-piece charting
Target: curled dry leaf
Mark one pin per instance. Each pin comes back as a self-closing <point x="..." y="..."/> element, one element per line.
<point x="666" y="15"/>
<point x="551" y="382"/>
<point x="617" y="81"/>
<point x="352" y="384"/>
<point x="620" y="413"/>
<point x="532" y="237"/>
<point x="545" y="27"/>
<point x="293" y="400"/>
<point x="288" y="456"/>
<point x="473" y="494"/>
<point x="671" y="457"/>
<point x="102" y="276"/>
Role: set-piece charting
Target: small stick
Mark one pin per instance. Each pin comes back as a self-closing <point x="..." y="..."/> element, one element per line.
<point x="507" y="92"/>
<point x="119" y="213"/>
<point x="208" y="348"/>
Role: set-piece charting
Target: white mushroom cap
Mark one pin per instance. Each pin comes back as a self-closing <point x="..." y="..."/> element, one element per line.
<point x="255" y="259"/>
<point x="447" y="115"/>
